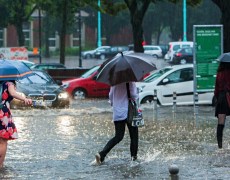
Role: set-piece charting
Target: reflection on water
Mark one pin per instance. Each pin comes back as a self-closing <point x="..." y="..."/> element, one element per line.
<point x="61" y="144"/>
<point x="65" y="126"/>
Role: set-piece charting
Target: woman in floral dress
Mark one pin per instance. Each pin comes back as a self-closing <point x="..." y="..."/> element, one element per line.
<point x="8" y="130"/>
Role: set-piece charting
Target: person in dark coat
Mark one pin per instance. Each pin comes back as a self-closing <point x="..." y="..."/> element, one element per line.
<point x="222" y="110"/>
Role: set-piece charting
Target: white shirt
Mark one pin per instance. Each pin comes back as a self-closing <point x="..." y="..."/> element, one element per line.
<point x="119" y="99"/>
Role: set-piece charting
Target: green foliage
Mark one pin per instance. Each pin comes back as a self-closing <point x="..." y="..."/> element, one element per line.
<point x="4" y="12"/>
<point x="112" y="7"/>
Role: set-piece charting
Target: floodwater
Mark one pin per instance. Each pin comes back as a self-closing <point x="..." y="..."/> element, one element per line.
<point x="61" y="144"/>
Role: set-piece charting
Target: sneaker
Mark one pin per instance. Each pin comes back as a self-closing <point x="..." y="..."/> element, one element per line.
<point x="99" y="160"/>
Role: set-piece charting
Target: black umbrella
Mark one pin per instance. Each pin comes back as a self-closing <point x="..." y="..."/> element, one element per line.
<point x="224" y="57"/>
<point x="125" y="67"/>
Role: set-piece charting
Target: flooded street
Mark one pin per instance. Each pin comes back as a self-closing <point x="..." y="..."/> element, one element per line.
<point x="61" y="144"/>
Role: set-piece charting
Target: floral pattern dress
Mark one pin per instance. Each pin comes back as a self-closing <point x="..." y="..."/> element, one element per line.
<point x="8" y="129"/>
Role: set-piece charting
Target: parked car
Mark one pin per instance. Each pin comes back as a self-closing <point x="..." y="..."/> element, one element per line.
<point x="44" y="66"/>
<point x="86" y="85"/>
<point x="43" y="90"/>
<point x="110" y="52"/>
<point x="91" y="53"/>
<point x="183" y="56"/>
<point x="28" y="63"/>
<point x="174" y="46"/>
<point x="155" y="51"/>
<point x="178" y="79"/>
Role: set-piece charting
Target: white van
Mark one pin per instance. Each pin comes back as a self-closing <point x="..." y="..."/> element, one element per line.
<point x="155" y="51"/>
<point x="174" y="46"/>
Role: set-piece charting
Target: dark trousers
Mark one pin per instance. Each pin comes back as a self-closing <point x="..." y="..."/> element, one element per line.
<point x="119" y="134"/>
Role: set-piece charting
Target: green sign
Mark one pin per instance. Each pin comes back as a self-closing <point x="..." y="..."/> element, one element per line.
<point x="208" y="42"/>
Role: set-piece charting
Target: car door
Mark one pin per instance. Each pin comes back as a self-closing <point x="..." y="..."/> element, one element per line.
<point x="180" y="82"/>
<point x="98" y="89"/>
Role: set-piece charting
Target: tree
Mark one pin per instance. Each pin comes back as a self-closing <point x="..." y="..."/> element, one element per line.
<point x="62" y="14"/>
<point x="224" y="7"/>
<point x="137" y="10"/>
<point x="3" y="13"/>
<point x="59" y="16"/>
<point x="19" y="12"/>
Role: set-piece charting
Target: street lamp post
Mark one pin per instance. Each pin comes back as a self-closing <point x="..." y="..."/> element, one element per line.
<point x="99" y="26"/>
<point x="184" y="21"/>
<point x="79" y="31"/>
<point x="40" y="35"/>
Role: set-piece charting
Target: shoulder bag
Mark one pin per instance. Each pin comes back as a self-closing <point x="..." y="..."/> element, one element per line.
<point x="134" y="117"/>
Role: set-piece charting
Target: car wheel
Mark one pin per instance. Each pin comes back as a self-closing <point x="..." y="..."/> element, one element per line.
<point x="79" y="94"/>
<point x="183" y="61"/>
<point x="155" y="56"/>
<point x="87" y="56"/>
<point x="147" y="99"/>
<point x="102" y="57"/>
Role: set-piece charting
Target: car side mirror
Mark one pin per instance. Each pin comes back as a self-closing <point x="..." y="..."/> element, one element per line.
<point x="165" y="81"/>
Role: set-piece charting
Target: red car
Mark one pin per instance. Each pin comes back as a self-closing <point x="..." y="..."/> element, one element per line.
<point x="86" y="85"/>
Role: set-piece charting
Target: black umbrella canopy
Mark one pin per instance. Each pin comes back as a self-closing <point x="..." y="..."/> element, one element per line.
<point x="225" y="57"/>
<point x="125" y="67"/>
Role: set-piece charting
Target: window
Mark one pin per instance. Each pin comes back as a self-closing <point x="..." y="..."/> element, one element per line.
<point x="181" y="75"/>
<point x="1" y="37"/>
<point x="52" y="40"/>
<point x="185" y="46"/>
<point x="155" y="75"/>
<point x="174" y="77"/>
<point x="176" y="47"/>
<point x="26" y="32"/>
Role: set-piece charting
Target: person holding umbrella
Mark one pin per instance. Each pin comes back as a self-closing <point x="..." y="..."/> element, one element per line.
<point x="121" y="72"/>
<point x="119" y="101"/>
<point x="9" y="72"/>
<point x="222" y="85"/>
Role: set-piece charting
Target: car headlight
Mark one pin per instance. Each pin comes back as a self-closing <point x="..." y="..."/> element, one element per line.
<point x="63" y="95"/>
<point x="65" y="85"/>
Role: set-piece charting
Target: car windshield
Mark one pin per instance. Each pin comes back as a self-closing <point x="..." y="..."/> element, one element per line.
<point x="156" y="74"/>
<point x="90" y="72"/>
<point x="36" y="78"/>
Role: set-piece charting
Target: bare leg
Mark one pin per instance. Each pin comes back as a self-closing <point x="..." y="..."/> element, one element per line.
<point x="3" y="149"/>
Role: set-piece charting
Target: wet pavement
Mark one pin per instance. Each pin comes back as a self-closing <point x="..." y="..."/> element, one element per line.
<point x="61" y="144"/>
